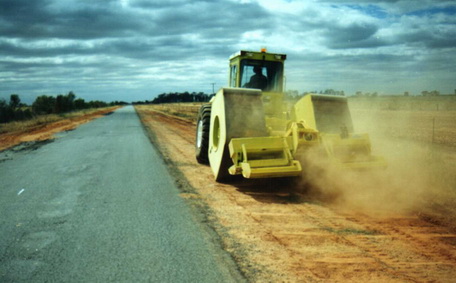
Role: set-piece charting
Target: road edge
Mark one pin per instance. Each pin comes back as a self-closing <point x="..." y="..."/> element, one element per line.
<point x="201" y="212"/>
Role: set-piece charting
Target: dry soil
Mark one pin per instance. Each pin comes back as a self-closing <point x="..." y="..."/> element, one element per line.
<point x="395" y="225"/>
<point x="46" y="131"/>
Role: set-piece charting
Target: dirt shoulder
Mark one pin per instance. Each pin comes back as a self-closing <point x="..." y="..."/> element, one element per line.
<point x="288" y="231"/>
<point x="46" y="131"/>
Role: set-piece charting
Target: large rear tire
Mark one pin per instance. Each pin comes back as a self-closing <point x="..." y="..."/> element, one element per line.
<point x="202" y="134"/>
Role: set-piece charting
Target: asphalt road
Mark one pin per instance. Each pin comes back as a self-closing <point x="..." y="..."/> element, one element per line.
<point x="98" y="205"/>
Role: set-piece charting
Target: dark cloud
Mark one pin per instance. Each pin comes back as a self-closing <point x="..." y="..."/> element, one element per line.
<point x="90" y="20"/>
<point x="150" y="35"/>
<point x="214" y="18"/>
<point x="25" y="49"/>
<point x="428" y="38"/>
<point x="20" y="10"/>
<point x="37" y="20"/>
<point x="432" y="32"/>
<point x="143" y="47"/>
<point x="158" y="4"/>
<point x="355" y="35"/>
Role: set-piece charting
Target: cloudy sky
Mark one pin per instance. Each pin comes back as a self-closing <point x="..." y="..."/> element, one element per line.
<point x="136" y="49"/>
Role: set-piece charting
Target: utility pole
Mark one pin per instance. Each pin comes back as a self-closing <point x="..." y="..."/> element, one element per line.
<point x="213" y="84"/>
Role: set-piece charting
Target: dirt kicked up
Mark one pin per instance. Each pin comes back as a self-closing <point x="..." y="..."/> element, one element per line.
<point x="324" y="227"/>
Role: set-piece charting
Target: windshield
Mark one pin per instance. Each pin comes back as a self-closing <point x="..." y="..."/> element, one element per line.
<point x="264" y="75"/>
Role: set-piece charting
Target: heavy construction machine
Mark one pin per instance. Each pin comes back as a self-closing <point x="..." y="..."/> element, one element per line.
<point x="249" y="129"/>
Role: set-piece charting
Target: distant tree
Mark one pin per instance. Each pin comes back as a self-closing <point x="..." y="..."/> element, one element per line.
<point x="118" y="103"/>
<point x="69" y="101"/>
<point x="406" y="93"/>
<point x="425" y="93"/>
<point x="335" y="92"/>
<point x="201" y="97"/>
<point x="97" y="104"/>
<point x="22" y="114"/>
<point x="44" y="105"/>
<point x="330" y="91"/>
<point x="58" y="106"/>
<point x="359" y="93"/>
<point x="12" y="111"/>
<point x="15" y="101"/>
<point x="4" y="111"/>
<point x="291" y="93"/>
<point x="79" y="104"/>
<point x="180" y="97"/>
<point x="64" y="103"/>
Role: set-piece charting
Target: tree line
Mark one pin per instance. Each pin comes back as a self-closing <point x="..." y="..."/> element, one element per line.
<point x="294" y="94"/>
<point x="174" y="97"/>
<point x="15" y="110"/>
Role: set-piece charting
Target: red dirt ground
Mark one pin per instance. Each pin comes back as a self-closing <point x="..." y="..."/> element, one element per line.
<point x="288" y="231"/>
<point x="45" y="132"/>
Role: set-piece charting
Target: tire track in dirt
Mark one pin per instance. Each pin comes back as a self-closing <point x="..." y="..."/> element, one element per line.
<point x="418" y="234"/>
<point x="371" y="241"/>
<point x="278" y="234"/>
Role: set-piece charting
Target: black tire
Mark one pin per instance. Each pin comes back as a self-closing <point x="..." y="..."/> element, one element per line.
<point x="202" y="134"/>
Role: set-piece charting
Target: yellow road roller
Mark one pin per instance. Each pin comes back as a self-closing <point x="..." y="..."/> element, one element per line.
<point x="249" y="129"/>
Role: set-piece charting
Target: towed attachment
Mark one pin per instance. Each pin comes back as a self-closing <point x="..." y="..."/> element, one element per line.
<point x="351" y="152"/>
<point x="278" y="156"/>
<point x="262" y="157"/>
<point x="268" y="157"/>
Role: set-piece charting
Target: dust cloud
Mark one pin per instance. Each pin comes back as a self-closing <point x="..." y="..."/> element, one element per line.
<point x="244" y="115"/>
<point x="420" y="177"/>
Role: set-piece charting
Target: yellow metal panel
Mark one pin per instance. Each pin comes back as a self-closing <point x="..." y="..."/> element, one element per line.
<point x="303" y="111"/>
<point x="236" y="112"/>
<point x="272" y="172"/>
<point x="263" y="157"/>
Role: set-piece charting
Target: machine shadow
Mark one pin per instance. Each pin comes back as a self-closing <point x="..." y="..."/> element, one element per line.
<point x="276" y="190"/>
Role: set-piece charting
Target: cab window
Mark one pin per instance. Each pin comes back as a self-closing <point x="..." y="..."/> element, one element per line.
<point x="265" y="75"/>
<point x="233" y="76"/>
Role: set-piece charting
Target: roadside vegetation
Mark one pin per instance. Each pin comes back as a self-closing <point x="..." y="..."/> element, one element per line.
<point x="43" y="120"/>
<point x="17" y="116"/>
<point x="178" y="97"/>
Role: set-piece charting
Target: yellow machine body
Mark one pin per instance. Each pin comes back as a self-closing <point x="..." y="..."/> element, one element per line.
<point x="252" y="132"/>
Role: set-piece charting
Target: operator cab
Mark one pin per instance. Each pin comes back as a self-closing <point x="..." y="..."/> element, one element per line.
<point x="261" y="70"/>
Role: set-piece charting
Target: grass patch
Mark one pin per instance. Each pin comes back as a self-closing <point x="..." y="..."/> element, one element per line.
<point x="183" y="110"/>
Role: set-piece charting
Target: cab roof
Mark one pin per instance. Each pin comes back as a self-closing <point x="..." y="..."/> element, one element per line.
<point x="259" y="55"/>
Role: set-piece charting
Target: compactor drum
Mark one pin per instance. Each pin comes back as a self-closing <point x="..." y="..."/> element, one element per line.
<point x="247" y="129"/>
